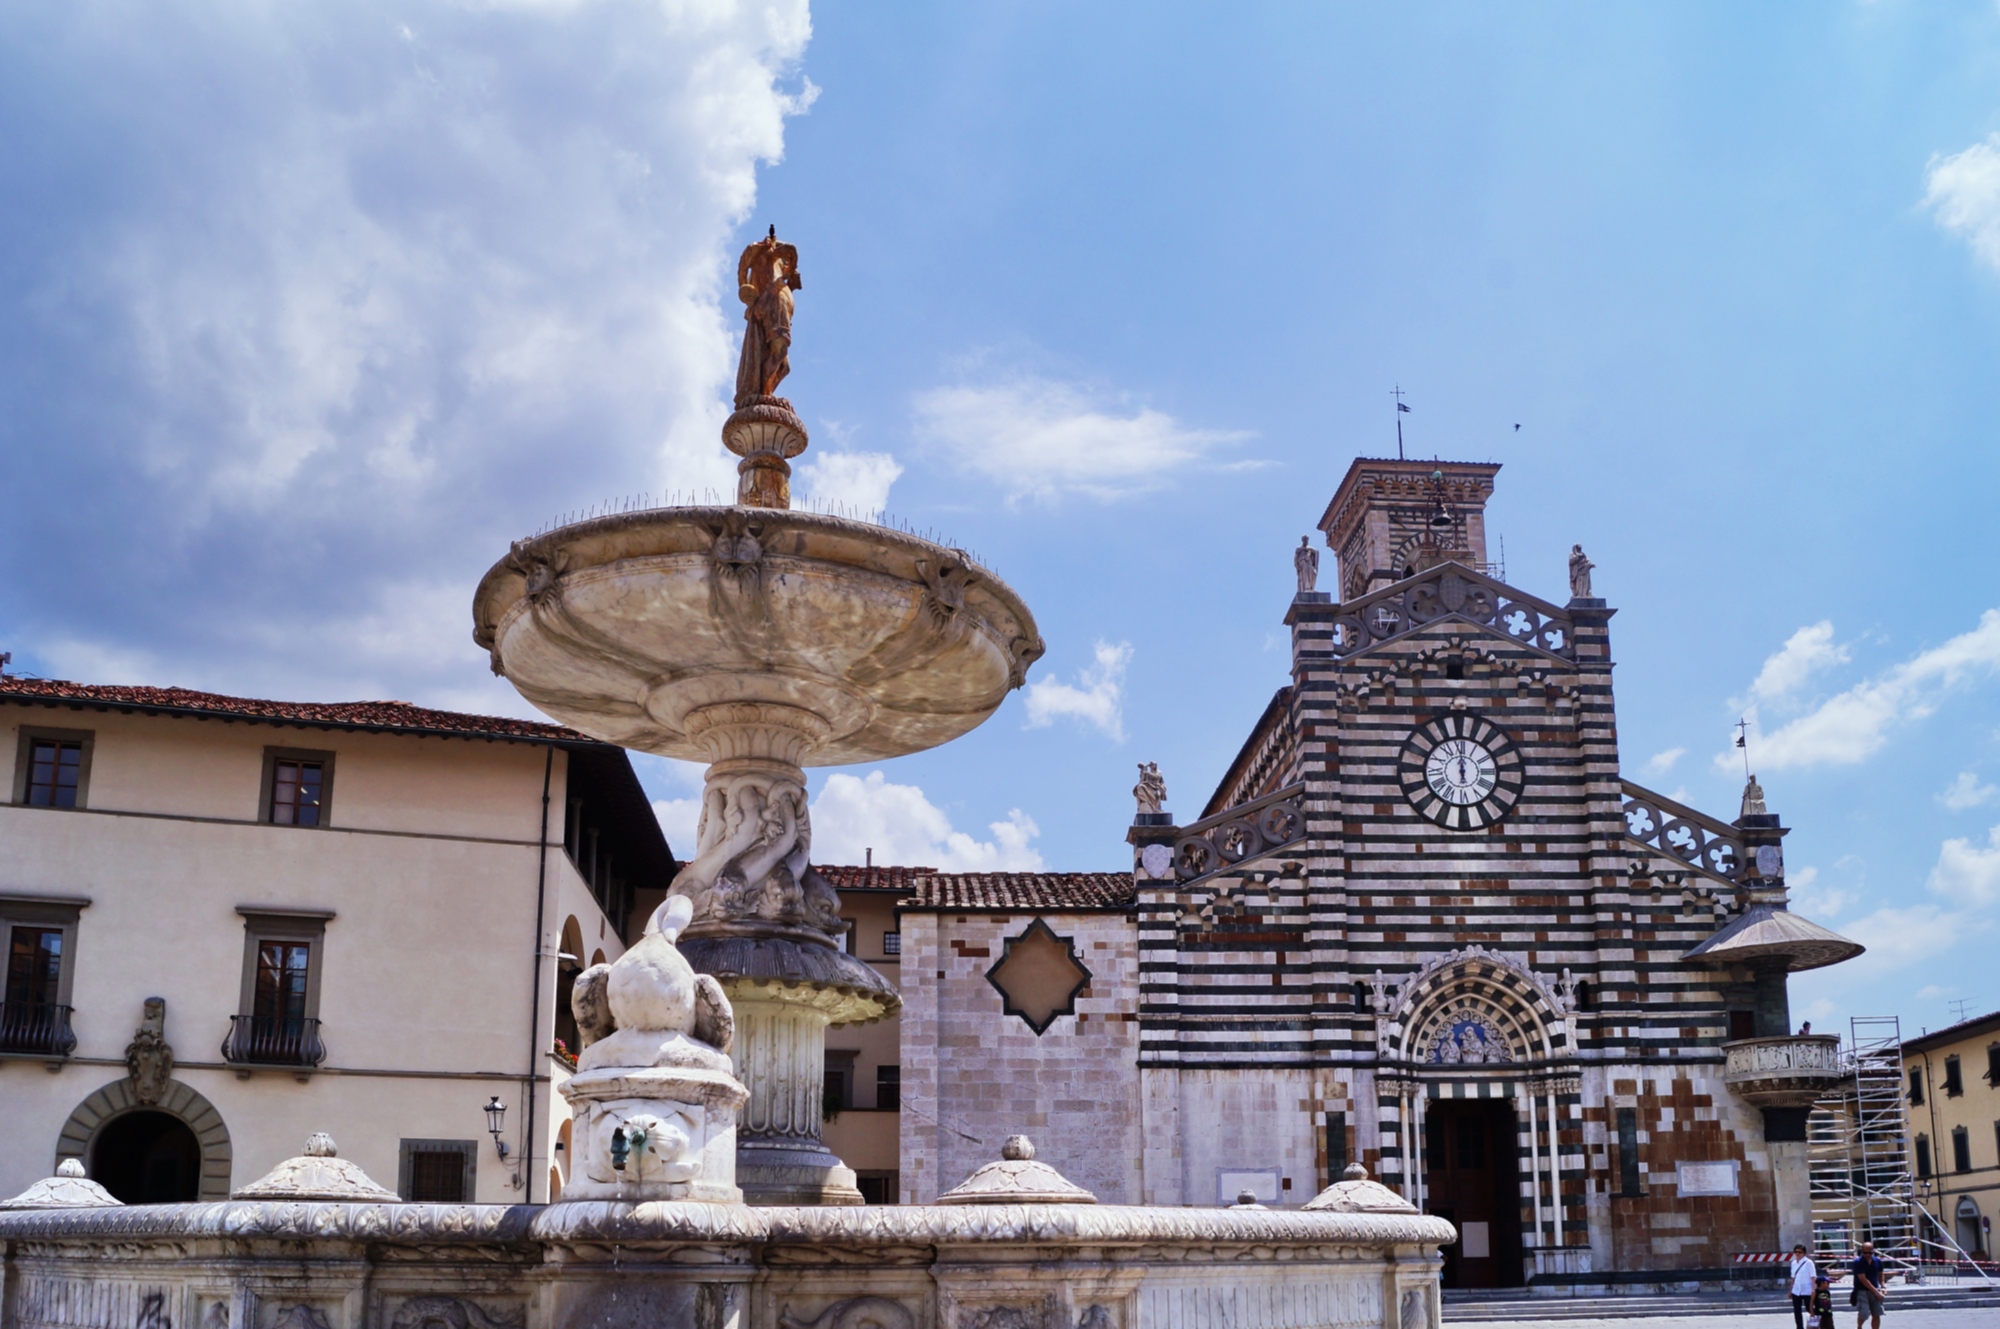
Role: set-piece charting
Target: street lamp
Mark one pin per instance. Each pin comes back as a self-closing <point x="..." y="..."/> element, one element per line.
<point x="496" y="1120"/>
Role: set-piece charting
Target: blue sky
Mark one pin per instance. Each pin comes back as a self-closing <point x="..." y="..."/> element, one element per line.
<point x="310" y="311"/>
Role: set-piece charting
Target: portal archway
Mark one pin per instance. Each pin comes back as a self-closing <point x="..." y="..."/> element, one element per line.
<point x="147" y="1157"/>
<point x="148" y="1140"/>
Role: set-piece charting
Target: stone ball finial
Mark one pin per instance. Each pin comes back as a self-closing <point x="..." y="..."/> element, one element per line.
<point x="320" y="1145"/>
<point x="1018" y="1149"/>
<point x="70" y="1167"/>
<point x="1355" y="1172"/>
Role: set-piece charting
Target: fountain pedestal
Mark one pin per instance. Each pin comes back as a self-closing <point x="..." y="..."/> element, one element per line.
<point x="761" y="641"/>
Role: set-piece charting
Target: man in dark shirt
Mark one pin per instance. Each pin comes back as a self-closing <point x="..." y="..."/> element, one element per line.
<point x="1870" y="1289"/>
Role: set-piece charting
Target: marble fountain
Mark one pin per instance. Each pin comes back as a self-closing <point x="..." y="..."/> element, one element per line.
<point x="759" y="640"/>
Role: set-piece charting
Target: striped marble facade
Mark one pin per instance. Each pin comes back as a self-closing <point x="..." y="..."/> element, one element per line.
<point x="1550" y="932"/>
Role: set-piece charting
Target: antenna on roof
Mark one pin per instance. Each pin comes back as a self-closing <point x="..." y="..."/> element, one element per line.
<point x="1401" y="411"/>
<point x="1958" y="1005"/>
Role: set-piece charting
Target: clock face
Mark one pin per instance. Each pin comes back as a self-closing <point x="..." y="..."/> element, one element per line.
<point x="1461" y="772"/>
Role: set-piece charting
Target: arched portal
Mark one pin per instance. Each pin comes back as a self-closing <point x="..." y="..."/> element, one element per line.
<point x="147" y="1150"/>
<point x="1483" y="1045"/>
<point x="147" y="1157"/>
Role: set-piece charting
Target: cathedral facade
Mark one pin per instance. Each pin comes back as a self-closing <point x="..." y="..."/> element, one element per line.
<point x="1424" y="924"/>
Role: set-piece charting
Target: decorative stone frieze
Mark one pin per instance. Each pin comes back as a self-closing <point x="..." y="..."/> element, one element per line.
<point x="1790" y="1071"/>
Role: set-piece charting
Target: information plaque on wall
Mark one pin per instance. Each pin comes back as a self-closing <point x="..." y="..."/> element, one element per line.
<point x="1706" y="1178"/>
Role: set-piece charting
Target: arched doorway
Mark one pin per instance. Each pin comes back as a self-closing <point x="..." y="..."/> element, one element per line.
<point x="145" y="1143"/>
<point x="147" y="1157"/>
<point x="1480" y="1034"/>
<point x="1971" y="1234"/>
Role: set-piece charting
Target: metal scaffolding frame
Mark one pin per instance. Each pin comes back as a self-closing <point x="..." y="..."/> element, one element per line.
<point x="1858" y="1163"/>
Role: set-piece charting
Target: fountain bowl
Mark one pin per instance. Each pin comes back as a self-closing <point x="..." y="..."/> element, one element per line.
<point x="679" y="631"/>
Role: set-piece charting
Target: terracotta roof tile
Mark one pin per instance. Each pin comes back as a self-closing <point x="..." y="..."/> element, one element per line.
<point x="393" y="715"/>
<point x="927" y="888"/>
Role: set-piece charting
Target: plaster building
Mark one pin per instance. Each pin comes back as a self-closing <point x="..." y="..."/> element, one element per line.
<point x="231" y="923"/>
<point x="1954" y="1111"/>
<point x="1424" y="923"/>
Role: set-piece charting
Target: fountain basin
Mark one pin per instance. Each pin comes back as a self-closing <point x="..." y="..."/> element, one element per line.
<point x="718" y="1266"/>
<point x="656" y="630"/>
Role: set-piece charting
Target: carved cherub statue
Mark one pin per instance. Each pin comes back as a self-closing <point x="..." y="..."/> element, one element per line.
<point x="632" y="1007"/>
<point x="1151" y="791"/>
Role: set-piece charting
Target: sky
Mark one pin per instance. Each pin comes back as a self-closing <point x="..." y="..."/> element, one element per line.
<point x="310" y="310"/>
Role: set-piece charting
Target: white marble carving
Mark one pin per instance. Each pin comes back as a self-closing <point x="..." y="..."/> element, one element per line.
<point x="316" y="1174"/>
<point x="1016" y="1178"/>
<point x="654" y="1099"/>
<point x="67" y="1189"/>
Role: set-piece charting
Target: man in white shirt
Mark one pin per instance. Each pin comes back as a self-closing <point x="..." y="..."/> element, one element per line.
<point x="1803" y="1274"/>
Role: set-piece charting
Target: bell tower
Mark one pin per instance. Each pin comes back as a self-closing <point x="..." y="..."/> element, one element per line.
<point x="1390" y="519"/>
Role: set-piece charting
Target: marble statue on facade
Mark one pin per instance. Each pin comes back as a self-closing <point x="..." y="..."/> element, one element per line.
<point x="1753" y="799"/>
<point x="766" y="276"/>
<point x="1151" y="791"/>
<point x="1305" y="562"/>
<point x="654" y="1099"/>
<point x="149" y="1058"/>
<point x="1579" y="573"/>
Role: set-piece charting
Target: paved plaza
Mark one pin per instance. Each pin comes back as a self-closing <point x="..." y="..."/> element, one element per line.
<point x="1963" y="1317"/>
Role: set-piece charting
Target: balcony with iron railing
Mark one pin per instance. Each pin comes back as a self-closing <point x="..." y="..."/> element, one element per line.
<point x="35" y="1029"/>
<point x="265" y="1040"/>
<point x="1792" y="1070"/>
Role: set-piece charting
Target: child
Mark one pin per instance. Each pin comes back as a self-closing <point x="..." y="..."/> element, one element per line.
<point x="1820" y="1314"/>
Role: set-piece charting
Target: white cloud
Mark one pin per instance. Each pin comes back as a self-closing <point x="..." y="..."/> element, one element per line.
<point x="1967" y="792"/>
<point x="1662" y="762"/>
<point x="1968" y="873"/>
<point x="854" y="815"/>
<point x="398" y="285"/>
<point x="1931" y="991"/>
<point x="1854" y="725"/>
<point x="856" y="483"/>
<point x="1964" y="193"/>
<point x="1098" y="698"/>
<point x="679" y="817"/>
<point x="1039" y="439"/>
<point x="1807" y="652"/>
<point x="1812" y="900"/>
<point x="1899" y="937"/>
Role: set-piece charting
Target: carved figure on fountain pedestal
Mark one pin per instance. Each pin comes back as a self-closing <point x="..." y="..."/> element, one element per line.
<point x="654" y="1099"/>
<point x="752" y="859"/>
<point x="766" y="275"/>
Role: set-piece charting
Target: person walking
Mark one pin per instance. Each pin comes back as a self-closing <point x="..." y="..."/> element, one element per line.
<point x="1870" y="1286"/>
<point x="1822" y="1303"/>
<point x="1804" y="1271"/>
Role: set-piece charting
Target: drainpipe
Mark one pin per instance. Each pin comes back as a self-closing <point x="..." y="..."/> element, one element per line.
<point x="535" y="982"/>
<point x="1937" y="1149"/>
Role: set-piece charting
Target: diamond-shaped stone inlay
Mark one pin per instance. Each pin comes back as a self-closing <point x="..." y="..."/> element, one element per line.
<point x="1039" y="977"/>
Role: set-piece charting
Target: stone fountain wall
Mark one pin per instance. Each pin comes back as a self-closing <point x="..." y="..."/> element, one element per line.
<point x="275" y="1265"/>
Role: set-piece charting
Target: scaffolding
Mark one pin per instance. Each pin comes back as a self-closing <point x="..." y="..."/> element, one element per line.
<point x="1858" y="1164"/>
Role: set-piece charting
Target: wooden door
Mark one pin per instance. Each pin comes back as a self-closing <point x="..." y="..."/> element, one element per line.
<point x="1472" y="1179"/>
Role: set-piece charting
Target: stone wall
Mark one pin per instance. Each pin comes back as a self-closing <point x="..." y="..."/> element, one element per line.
<point x="973" y="1075"/>
<point x="610" y="1266"/>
